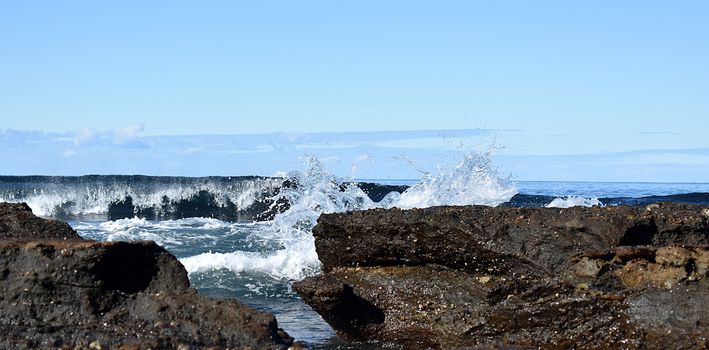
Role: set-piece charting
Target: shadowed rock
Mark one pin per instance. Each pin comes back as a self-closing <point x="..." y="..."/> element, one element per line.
<point x="481" y="277"/>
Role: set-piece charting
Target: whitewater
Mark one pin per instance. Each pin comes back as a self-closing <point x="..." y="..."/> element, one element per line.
<point x="250" y="237"/>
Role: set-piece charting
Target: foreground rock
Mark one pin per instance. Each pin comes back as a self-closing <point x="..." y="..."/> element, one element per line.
<point x="480" y="277"/>
<point x="59" y="291"/>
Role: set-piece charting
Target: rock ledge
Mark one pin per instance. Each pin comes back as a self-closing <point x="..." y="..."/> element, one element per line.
<point x="479" y="277"/>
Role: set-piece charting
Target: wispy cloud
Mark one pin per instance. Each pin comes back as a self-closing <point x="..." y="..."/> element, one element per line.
<point x="405" y="154"/>
<point x="118" y="136"/>
<point x="661" y="133"/>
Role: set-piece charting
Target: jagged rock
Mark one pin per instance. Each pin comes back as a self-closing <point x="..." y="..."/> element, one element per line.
<point x="77" y="293"/>
<point x="481" y="239"/>
<point x="481" y="277"/>
<point x="17" y="222"/>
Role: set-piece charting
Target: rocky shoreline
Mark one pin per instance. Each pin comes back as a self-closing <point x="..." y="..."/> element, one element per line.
<point x="444" y="278"/>
<point x="479" y="277"/>
<point x="59" y="291"/>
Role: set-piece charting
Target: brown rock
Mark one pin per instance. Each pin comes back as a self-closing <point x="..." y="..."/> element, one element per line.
<point x="479" y="277"/>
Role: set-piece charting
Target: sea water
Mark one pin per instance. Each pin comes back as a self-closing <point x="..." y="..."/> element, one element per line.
<point x="256" y="261"/>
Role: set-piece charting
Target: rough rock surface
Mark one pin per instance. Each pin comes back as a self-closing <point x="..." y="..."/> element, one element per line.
<point x="61" y="293"/>
<point x="481" y="277"/>
<point x="17" y="222"/>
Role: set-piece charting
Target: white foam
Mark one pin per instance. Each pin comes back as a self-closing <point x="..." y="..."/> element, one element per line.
<point x="165" y="233"/>
<point x="123" y="224"/>
<point x="472" y="181"/>
<point x="574" y="201"/>
<point x="293" y="263"/>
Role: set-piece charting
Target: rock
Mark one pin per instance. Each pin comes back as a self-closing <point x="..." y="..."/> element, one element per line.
<point x="638" y="267"/>
<point x="481" y="239"/>
<point x="17" y="222"/>
<point x="74" y="293"/>
<point x="429" y="307"/>
<point x="481" y="277"/>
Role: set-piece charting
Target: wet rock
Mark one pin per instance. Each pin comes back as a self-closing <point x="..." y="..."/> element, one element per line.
<point x="84" y="294"/>
<point x="480" y="277"/>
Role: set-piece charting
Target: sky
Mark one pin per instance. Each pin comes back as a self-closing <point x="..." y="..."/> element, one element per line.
<point x="563" y="90"/>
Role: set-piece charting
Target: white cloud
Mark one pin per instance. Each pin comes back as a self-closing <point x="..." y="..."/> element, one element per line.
<point x="84" y="136"/>
<point x="117" y="136"/>
<point x="69" y="153"/>
<point x="127" y="134"/>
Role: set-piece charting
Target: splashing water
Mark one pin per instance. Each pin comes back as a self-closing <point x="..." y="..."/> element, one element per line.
<point x="283" y="249"/>
<point x="473" y="181"/>
<point x="317" y="192"/>
<point x="574" y="201"/>
<point x="313" y="193"/>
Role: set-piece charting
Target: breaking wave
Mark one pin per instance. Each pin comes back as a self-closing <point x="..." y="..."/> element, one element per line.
<point x="153" y="197"/>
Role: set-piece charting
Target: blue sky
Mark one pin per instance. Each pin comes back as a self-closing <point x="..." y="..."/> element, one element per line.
<point x="601" y="90"/>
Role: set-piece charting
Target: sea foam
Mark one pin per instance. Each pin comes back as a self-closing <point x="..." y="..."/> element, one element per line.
<point x="573" y="201"/>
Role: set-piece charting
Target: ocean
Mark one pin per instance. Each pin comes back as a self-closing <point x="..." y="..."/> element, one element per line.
<point x="249" y="237"/>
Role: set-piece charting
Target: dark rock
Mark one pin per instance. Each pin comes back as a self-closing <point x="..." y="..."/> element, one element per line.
<point x="17" y="222"/>
<point x="481" y="239"/>
<point x="481" y="277"/>
<point x="74" y="293"/>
